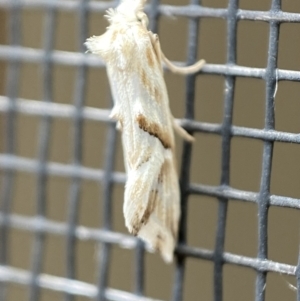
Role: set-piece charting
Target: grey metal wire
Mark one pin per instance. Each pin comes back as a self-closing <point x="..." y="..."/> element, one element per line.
<point x="42" y="154"/>
<point x="10" y="105"/>
<point x="10" y="138"/>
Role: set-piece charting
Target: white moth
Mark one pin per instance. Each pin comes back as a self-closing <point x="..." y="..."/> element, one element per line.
<point x="134" y="59"/>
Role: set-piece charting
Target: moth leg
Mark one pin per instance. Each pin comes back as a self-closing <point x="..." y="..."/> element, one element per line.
<point x="156" y="45"/>
<point x="115" y="114"/>
<point x="182" y="132"/>
<point x="183" y="70"/>
<point x="175" y="69"/>
<point x="119" y="126"/>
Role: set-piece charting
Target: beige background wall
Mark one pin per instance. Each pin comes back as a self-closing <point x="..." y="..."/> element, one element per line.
<point x="241" y="235"/>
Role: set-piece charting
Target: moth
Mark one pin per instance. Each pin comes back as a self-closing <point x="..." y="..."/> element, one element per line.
<point x="134" y="58"/>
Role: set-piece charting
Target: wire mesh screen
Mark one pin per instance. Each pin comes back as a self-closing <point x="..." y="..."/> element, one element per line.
<point x="61" y="227"/>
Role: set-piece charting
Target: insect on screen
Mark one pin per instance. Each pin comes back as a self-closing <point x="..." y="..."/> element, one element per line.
<point x="62" y="233"/>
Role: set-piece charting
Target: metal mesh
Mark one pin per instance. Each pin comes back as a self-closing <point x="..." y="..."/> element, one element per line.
<point x="10" y="105"/>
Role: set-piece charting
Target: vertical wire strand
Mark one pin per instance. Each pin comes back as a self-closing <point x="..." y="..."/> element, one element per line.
<point x="264" y="193"/>
<point x="298" y="277"/>
<point x="75" y="187"/>
<point x="153" y="15"/>
<point x="107" y="184"/>
<point x="226" y="149"/>
<point x="178" y="285"/>
<point x="104" y="249"/>
<point x="13" y="81"/>
<point x="43" y="150"/>
<point x="140" y="268"/>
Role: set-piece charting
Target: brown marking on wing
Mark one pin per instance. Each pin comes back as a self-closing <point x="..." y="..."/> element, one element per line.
<point x="164" y="170"/>
<point x="150" y="208"/>
<point x="150" y="58"/>
<point x="136" y="159"/>
<point x="155" y="130"/>
<point x="127" y="49"/>
<point x="121" y="49"/>
<point x="135" y="229"/>
<point x="149" y="86"/>
<point x="137" y="222"/>
<point x="146" y="158"/>
<point x="118" y="31"/>
<point x="157" y="94"/>
<point x="145" y="79"/>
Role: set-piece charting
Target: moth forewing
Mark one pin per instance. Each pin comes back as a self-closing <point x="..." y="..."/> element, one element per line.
<point x="133" y="60"/>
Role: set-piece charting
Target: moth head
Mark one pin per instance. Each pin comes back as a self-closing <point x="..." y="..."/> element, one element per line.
<point x="128" y="11"/>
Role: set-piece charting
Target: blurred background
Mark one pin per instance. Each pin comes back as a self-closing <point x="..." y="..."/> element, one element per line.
<point x="66" y="83"/>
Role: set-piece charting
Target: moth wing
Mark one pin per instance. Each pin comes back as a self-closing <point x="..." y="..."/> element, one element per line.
<point x="151" y="204"/>
<point x="160" y="232"/>
<point x="151" y="199"/>
<point x="140" y="186"/>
